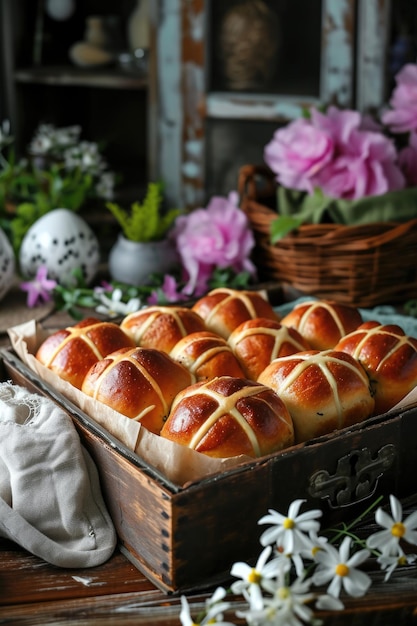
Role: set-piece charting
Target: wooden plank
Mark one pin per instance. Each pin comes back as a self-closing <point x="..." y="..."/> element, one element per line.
<point x="70" y="77"/>
<point x="338" y="48"/>
<point x="372" y="37"/>
<point x="28" y="579"/>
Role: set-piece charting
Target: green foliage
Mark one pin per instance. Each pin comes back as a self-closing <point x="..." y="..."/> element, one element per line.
<point x="146" y="221"/>
<point x="227" y="277"/>
<point x="35" y="192"/>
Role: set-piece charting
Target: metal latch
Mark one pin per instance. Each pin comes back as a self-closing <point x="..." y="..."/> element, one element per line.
<point x="356" y="476"/>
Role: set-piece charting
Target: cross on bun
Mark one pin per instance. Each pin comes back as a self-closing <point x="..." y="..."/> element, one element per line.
<point x="206" y="355"/>
<point x="390" y="358"/>
<point x="323" y="322"/>
<point x="224" y="309"/>
<point x="323" y="390"/>
<point x="140" y="383"/>
<point x="259" y="341"/>
<point x="71" y="351"/>
<point x="229" y="416"/>
<point x="161" y="327"/>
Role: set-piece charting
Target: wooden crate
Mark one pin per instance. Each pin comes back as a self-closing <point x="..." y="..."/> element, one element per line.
<point x="187" y="538"/>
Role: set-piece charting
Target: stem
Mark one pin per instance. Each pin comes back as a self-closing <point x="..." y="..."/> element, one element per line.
<point x="346" y="530"/>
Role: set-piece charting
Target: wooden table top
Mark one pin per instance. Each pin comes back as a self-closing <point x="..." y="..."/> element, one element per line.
<point x="34" y="592"/>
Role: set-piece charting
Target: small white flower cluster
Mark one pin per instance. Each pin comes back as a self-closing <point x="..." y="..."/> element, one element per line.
<point x="64" y="144"/>
<point x="278" y="589"/>
<point x="51" y="141"/>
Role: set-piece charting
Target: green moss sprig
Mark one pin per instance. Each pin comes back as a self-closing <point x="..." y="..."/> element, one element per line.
<point x="146" y="220"/>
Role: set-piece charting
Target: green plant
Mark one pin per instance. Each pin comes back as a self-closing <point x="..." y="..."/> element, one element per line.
<point x="146" y="220"/>
<point x="71" y="172"/>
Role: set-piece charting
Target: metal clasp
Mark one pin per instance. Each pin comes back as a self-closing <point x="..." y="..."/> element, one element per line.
<point x="356" y="477"/>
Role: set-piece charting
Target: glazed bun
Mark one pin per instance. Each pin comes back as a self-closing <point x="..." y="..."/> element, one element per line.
<point x="161" y="327"/>
<point x="140" y="383"/>
<point x="206" y="355"/>
<point x="323" y="391"/>
<point x="224" y="309"/>
<point x="71" y="351"/>
<point x="259" y="341"/>
<point x="229" y="416"/>
<point x="390" y="358"/>
<point x="323" y="322"/>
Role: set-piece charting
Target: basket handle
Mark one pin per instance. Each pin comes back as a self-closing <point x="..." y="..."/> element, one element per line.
<point x="256" y="181"/>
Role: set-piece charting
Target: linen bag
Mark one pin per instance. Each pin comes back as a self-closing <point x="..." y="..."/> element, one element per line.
<point x="50" y="498"/>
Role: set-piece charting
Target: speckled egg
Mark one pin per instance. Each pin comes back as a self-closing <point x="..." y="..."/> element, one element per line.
<point x="63" y="241"/>
<point x="7" y="264"/>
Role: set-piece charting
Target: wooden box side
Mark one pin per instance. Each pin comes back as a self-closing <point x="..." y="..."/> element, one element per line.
<point x="139" y="505"/>
<point x="215" y="524"/>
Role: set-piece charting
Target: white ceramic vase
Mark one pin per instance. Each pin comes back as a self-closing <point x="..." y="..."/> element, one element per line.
<point x="133" y="262"/>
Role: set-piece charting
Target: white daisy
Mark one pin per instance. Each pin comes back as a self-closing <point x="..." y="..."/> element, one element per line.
<point x="290" y="532"/>
<point x="213" y="614"/>
<point x="287" y="606"/>
<point x="287" y="560"/>
<point x="390" y="563"/>
<point x="387" y="541"/>
<point x="253" y="578"/>
<point x="338" y="567"/>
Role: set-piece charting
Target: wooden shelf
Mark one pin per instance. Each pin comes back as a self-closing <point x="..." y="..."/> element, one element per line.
<point x="68" y="76"/>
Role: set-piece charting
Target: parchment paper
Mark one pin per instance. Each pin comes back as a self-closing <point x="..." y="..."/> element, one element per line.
<point x="178" y="463"/>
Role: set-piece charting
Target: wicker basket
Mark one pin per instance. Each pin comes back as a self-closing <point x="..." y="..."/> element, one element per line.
<point x="362" y="265"/>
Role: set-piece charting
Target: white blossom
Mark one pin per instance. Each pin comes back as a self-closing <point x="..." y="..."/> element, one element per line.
<point x="286" y="606"/>
<point x="114" y="305"/>
<point x="390" y="563"/>
<point x="291" y="532"/>
<point x="387" y="541"/>
<point x="215" y="607"/>
<point x="105" y="186"/>
<point x="340" y="569"/>
<point x="253" y="578"/>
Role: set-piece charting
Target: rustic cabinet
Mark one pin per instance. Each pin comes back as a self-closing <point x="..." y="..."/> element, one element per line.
<point x="210" y="121"/>
<point x="40" y="83"/>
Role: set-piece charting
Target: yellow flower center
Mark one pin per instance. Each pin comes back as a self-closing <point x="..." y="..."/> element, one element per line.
<point x="402" y="560"/>
<point x="342" y="569"/>
<point x="283" y="593"/>
<point x="254" y="577"/>
<point x="398" y="529"/>
<point x="288" y="523"/>
<point x="315" y="549"/>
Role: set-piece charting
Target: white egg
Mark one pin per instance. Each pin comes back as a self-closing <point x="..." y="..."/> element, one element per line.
<point x="7" y="264"/>
<point x="60" y="10"/>
<point x="63" y="241"/>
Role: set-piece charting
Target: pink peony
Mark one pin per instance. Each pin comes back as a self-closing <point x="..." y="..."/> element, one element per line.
<point x="218" y="236"/>
<point x="408" y="160"/>
<point x="339" y="152"/>
<point x="366" y="165"/>
<point x="297" y="152"/>
<point x="403" y="115"/>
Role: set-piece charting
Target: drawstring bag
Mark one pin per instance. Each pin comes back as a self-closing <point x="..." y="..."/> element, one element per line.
<point x="50" y="498"/>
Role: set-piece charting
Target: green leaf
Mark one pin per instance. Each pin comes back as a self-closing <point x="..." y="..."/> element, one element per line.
<point x="281" y="226"/>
